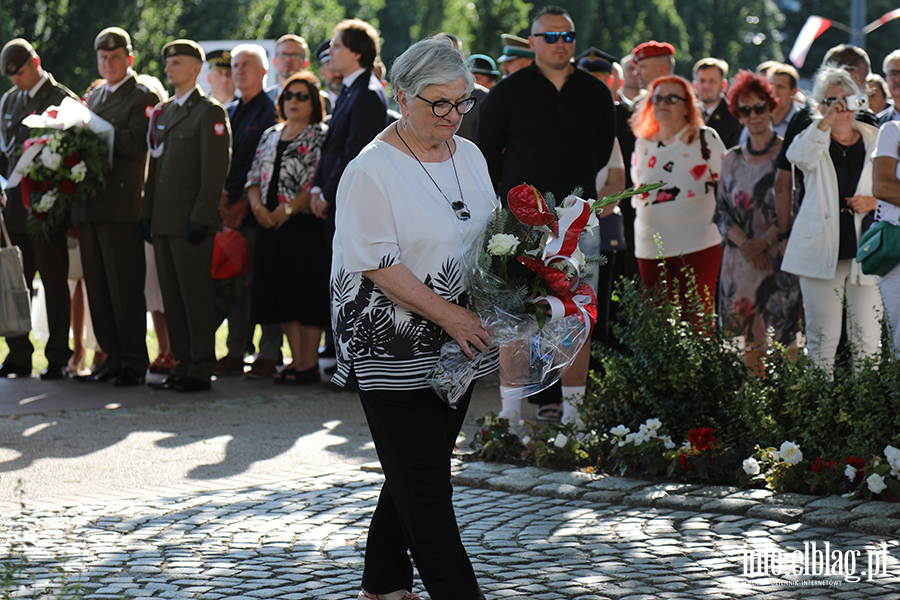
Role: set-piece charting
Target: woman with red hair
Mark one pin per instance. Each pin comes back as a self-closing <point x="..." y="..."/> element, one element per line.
<point x="673" y="146"/>
<point x="754" y="293"/>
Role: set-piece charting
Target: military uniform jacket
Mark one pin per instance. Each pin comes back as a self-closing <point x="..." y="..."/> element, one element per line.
<point x="191" y="145"/>
<point x="128" y="109"/>
<point x="13" y="135"/>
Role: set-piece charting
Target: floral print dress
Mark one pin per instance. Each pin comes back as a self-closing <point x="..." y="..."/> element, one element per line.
<point x="752" y="300"/>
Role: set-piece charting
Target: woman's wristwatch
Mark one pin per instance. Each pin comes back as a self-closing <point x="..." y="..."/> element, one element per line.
<point x="288" y="209"/>
<point x="783" y="235"/>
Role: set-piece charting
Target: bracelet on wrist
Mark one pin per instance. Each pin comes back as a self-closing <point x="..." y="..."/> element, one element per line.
<point x="767" y="238"/>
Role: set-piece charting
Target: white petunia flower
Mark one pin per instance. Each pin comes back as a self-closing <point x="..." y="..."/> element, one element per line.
<point x="630" y="438"/>
<point x="502" y="244"/>
<point x="667" y="442"/>
<point x="526" y="440"/>
<point x="560" y="441"/>
<point x="619" y="431"/>
<point x="850" y="472"/>
<point x="653" y="425"/>
<point x="790" y="453"/>
<point x="751" y="466"/>
<point x="876" y="483"/>
<point x="893" y="457"/>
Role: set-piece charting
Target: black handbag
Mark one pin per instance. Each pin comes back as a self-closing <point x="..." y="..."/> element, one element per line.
<point x="612" y="232"/>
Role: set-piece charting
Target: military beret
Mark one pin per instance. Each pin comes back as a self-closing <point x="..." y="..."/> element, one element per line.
<point x="15" y="54"/>
<point x="653" y="48"/>
<point x="322" y="51"/>
<point x="183" y="48"/>
<point x="595" y="61"/>
<point x="480" y="63"/>
<point x="112" y="38"/>
<point x="219" y="59"/>
<point x="514" y="47"/>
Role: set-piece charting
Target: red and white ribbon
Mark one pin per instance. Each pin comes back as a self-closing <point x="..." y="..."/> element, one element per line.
<point x="560" y="308"/>
<point x="571" y="224"/>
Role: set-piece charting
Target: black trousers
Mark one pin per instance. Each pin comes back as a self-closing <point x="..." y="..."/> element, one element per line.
<point x="414" y="433"/>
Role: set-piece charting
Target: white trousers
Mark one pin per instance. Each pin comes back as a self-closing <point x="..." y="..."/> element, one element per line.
<point x="890" y="294"/>
<point x="823" y="299"/>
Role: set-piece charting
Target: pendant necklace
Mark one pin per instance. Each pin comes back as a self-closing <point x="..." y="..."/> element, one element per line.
<point x="460" y="208"/>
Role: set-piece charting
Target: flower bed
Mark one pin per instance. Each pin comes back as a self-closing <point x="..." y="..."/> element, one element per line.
<point x="795" y="429"/>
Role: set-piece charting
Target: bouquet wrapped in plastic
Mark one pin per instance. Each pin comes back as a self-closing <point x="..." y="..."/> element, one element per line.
<point x="65" y="162"/>
<point x="525" y="285"/>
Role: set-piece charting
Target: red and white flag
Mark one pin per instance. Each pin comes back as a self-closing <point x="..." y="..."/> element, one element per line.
<point x="813" y="28"/>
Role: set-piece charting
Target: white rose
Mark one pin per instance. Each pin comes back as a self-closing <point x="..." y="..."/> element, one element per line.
<point x="850" y="472"/>
<point x="78" y="172"/>
<point x="560" y="441"/>
<point x="751" y="466"/>
<point x="790" y="453"/>
<point x="502" y="244"/>
<point x="50" y="159"/>
<point x="876" y="483"/>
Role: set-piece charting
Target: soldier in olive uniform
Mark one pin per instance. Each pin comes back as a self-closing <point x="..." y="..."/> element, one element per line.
<point x="190" y="146"/>
<point x="112" y="251"/>
<point x="33" y="91"/>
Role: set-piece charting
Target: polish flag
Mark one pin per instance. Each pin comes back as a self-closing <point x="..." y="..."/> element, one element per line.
<point x="813" y="28"/>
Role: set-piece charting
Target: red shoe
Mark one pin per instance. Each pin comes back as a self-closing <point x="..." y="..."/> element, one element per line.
<point x="164" y="363"/>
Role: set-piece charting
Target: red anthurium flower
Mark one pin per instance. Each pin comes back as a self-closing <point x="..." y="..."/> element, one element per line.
<point x="529" y="206"/>
<point x="556" y="279"/>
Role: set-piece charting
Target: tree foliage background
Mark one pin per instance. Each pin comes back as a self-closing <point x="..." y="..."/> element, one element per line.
<point x="743" y="32"/>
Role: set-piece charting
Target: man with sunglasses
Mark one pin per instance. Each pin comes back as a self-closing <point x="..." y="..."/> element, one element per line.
<point x="551" y="125"/>
<point x="33" y="91"/>
<point x="710" y="82"/>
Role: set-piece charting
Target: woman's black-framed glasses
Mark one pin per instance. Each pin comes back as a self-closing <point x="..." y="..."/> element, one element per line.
<point x="300" y="96"/>
<point x="759" y="108"/>
<point x="551" y="37"/>
<point x="670" y="99"/>
<point x="442" y="108"/>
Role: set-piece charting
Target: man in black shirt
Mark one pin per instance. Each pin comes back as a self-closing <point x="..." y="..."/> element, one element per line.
<point x="553" y="126"/>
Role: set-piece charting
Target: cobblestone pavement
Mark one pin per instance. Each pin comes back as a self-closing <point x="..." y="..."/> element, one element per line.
<point x="530" y="533"/>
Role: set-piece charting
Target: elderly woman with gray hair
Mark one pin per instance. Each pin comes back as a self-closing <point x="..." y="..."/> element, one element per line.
<point x="835" y="153"/>
<point x="410" y="209"/>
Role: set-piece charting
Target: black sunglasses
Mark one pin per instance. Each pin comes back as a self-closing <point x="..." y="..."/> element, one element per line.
<point x="300" y="96"/>
<point x="759" y="108"/>
<point x="442" y="108"/>
<point x="670" y="99"/>
<point x="551" y="37"/>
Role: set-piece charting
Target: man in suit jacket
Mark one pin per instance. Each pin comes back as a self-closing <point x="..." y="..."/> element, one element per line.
<point x="360" y="112"/>
<point x="34" y="90"/>
<point x="711" y="81"/>
<point x="190" y="146"/>
<point x="112" y="251"/>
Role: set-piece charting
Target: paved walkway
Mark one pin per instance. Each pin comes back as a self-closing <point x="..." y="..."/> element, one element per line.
<point x="530" y="533"/>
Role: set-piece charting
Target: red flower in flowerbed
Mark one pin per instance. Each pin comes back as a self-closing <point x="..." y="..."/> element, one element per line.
<point x="685" y="463"/>
<point x="858" y="464"/>
<point x="702" y="438"/>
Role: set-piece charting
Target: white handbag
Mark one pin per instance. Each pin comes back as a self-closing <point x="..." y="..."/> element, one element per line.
<point x="15" y="297"/>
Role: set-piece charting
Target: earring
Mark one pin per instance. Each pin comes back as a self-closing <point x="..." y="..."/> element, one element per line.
<point x="404" y="121"/>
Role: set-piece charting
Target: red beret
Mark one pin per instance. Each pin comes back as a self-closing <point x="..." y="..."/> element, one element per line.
<point x="653" y="48"/>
